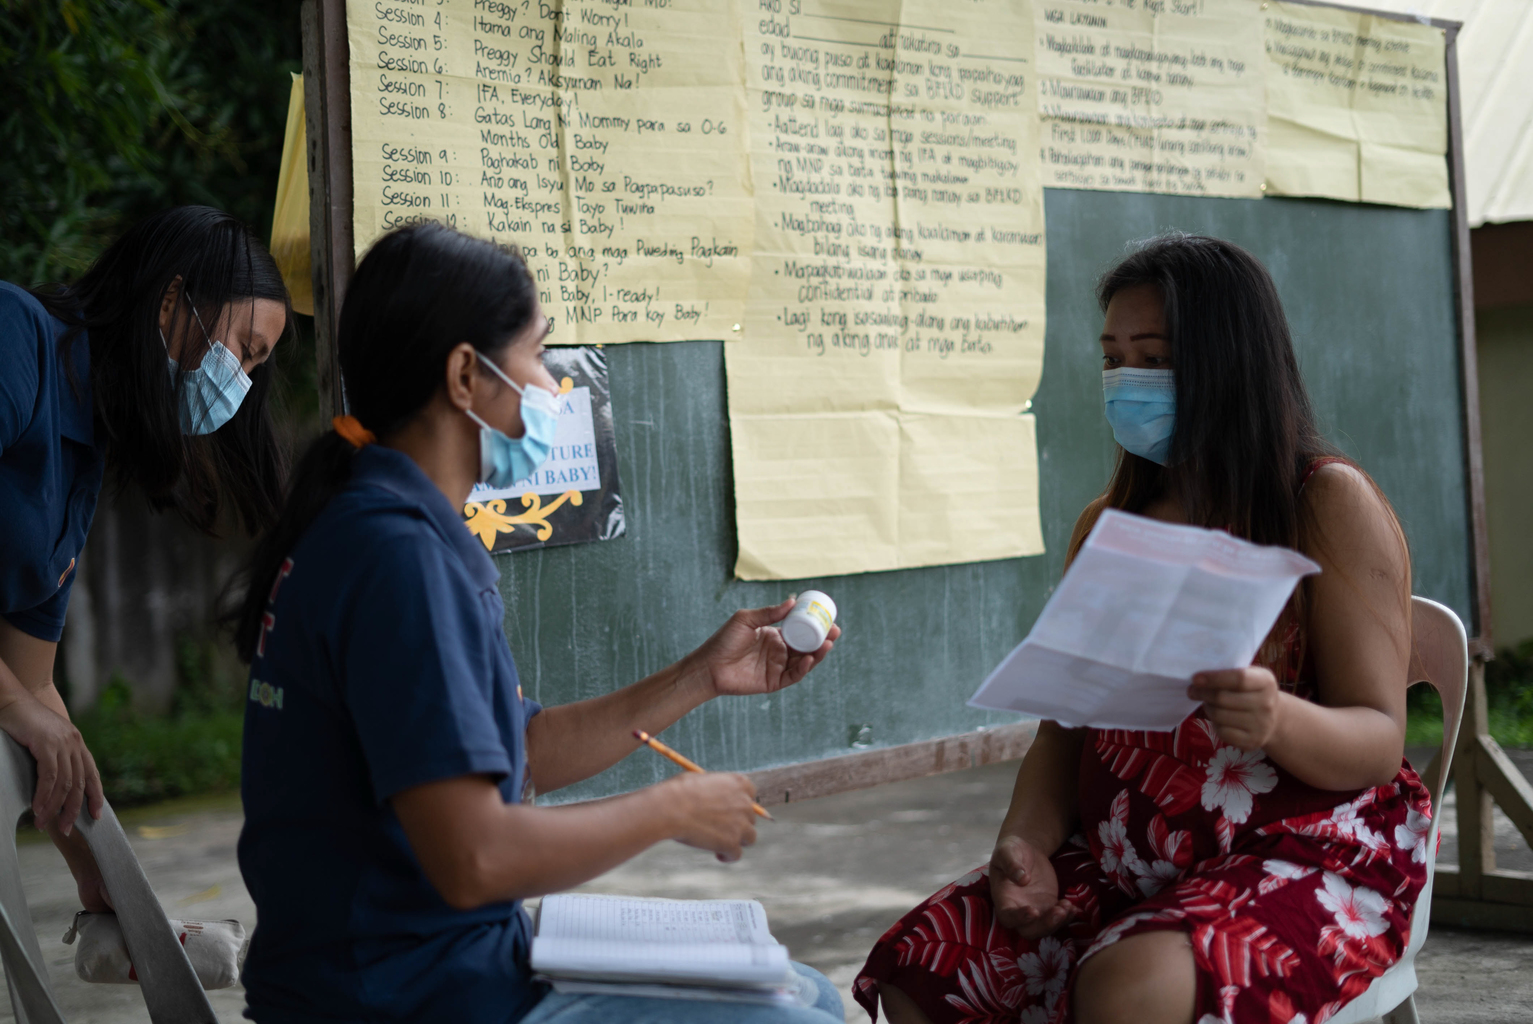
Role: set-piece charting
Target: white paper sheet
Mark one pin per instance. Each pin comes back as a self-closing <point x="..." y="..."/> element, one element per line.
<point x="633" y="939"/>
<point x="1144" y="606"/>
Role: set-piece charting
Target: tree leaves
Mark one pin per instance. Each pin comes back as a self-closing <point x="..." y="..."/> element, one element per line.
<point x="119" y="108"/>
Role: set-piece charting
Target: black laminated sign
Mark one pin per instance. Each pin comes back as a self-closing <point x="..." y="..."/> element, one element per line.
<point x="573" y="497"/>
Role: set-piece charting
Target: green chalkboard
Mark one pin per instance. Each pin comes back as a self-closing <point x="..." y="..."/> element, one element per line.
<point x="1370" y="293"/>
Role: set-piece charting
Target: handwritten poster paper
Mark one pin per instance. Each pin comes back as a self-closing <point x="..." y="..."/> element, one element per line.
<point x="605" y="139"/>
<point x="1357" y="107"/>
<point x="1142" y="96"/>
<point x="894" y="326"/>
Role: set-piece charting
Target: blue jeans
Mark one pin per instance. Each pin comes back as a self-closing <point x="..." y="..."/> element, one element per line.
<point x="594" y="1009"/>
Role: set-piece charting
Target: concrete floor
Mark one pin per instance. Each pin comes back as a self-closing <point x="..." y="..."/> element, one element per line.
<point x="832" y="873"/>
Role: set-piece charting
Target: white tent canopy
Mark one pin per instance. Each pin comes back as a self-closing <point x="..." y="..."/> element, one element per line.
<point x="1495" y="66"/>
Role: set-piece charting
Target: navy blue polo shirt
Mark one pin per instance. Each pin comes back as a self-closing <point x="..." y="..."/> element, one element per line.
<point x="50" y="467"/>
<point x="383" y="665"/>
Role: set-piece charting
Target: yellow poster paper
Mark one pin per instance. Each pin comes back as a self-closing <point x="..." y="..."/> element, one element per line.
<point x="290" y="219"/>
<point x="604" y="139"/>
<point x="1152" y="97"/>
<point x="1357" y="107"/>
<point x="894" y="325"/>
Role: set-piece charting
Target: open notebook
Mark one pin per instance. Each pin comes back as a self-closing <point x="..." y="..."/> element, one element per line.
<point x="720" y="945"/>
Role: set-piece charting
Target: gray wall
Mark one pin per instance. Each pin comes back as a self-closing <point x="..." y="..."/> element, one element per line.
<point x="147" y="583"/>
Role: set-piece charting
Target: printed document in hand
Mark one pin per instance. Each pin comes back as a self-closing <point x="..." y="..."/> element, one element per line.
<point x="708" y="949"/>
<point x="1144" y="605"/>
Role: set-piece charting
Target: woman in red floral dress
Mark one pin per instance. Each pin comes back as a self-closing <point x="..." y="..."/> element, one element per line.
<point x="1258" y="864"/>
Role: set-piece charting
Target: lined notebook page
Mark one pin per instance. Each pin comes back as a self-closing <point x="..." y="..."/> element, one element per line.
<point x="680" y="940"/>
<point x="635" y="919"/>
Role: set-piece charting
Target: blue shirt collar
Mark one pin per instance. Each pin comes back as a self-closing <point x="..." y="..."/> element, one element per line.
<point x="397" y="473"/>
<point x="76" y="413"/>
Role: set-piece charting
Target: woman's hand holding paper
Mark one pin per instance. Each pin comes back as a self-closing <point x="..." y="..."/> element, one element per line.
<point x="1244" y="704"/>
<point x="1025" y="890"/>
<point x="747" y="656"/>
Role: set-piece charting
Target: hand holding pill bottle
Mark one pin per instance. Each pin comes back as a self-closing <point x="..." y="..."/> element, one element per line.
<point x="808" y="624"/>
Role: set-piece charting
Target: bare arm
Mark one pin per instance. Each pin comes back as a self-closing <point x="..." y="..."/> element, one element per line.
<point x="477" y="849"/>
<point x="575" y="741"/>
<point x="1043" y="802"/>
<point x="746" y="656"/>
<point x="33" y="713"/>
<point x="1043" y="813"/>
<point x="1359" y="631"/>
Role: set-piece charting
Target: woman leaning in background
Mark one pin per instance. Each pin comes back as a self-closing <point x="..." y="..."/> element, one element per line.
<point x="152" y="365"/>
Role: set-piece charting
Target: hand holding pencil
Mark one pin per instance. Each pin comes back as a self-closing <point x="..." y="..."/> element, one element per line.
<point x="685" y="762"/>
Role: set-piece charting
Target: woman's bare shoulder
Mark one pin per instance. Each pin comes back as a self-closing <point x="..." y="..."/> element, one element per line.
<point x="1088" y="518"/>
<point x="1352" y="519"/>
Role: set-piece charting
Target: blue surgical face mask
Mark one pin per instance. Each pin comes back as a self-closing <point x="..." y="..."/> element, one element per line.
<point x="1141" y="407"/>
<point x="212" y="393"/>
<point x="503" y="460"/>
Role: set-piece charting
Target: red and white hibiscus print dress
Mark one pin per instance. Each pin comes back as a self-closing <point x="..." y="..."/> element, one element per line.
<point x="1294" y="898"/>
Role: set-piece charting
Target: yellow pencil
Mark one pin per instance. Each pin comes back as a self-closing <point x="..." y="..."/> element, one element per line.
<point x="687" y="763"/>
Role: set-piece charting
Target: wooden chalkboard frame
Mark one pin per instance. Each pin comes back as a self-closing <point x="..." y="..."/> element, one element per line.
<point x="1481" y="646"/>
<point x="332" y="250"/>
<point x="327" y="101"/>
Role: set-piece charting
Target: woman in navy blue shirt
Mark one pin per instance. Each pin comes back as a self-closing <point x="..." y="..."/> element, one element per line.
<point x="152" y="366"/>
<point x="388" y="745"/>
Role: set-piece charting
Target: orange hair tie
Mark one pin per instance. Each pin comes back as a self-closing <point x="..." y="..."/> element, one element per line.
<point x="352" y="430"/>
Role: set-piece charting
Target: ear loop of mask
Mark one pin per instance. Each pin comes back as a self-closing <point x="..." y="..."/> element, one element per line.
<point x="499" y="372"/>
<point x="206" y="337"/>
<point x="509" y="383"/>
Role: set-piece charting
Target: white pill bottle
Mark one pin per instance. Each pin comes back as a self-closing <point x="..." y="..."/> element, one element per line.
<point x="808" y="624"/>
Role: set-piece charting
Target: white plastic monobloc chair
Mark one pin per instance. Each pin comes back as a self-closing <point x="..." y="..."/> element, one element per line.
<point x="171" y="990"/>
<point x="1440" y="657"/>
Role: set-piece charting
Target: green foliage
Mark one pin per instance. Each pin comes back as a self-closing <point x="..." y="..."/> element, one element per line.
<point x="1509" y="694"/>
<point x="1508" y="698"/>
<point x="194" y="749"/>
<point x="144" y="758"/>
<point x="1423" y="717"/>
<point x="118" y="108"/>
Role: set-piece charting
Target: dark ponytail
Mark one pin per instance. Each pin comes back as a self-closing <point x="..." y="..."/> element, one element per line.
<point x="418" y="293"/>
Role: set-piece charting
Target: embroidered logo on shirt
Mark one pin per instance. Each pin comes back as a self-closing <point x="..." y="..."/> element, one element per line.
<point x="265" y="694"/>
<point x="65" y="574"/>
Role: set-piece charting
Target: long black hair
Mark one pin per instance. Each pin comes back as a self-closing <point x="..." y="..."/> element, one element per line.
<point x="117" y="304"/>
<point x="419" y="292"/>
<point x="1245" y="436"/>
<point x="1245" y="429"/>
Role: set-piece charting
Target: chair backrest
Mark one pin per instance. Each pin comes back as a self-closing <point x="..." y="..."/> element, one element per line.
<point x="1440" y="656"/>
<point x="170" y="987"/>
